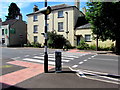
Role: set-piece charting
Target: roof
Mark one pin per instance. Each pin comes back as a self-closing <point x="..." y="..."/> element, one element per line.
<point x="80" y="21"/>
<point x="85" y="26"/>
<point x="56" y="7"/>
<point x="9" y="22"/>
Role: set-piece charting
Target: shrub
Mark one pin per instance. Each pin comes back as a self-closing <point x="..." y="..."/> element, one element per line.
<point x="92" y="47"/>
<point x="32" y="45"/>
<point x="55" y="41"/>
<point x="83" y="45"/>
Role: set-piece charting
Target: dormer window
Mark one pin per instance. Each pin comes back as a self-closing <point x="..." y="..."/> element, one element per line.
<point x="35" y="18"/>
<point x="60" y="14"/>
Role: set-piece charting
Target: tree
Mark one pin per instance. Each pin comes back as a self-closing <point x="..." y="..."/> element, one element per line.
<point x="105" y="20"/>
<point x="13" y="11"/>
<point x="55" y="41"/>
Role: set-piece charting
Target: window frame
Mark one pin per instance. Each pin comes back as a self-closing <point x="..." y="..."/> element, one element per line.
<point x="35" y="31"/>
<point x="35" y="18"/>
<point x="87" y="39"/>
<point x="3" y="33"/>
<point x="35" y="39"/>
<point x="59" y="27"/>
<point x="59" y="14"/>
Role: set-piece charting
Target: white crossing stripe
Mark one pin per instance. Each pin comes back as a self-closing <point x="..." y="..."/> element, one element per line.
<point x="80" y="62"/>
<point x="40" y="61"/>
<point x="85" y="60"/>
<point x="15" y="58"/>
<point x="74" y="66"/>
<point x="50" y="59"/>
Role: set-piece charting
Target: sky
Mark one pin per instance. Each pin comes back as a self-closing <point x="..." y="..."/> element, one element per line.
<point x="26" y="6"/>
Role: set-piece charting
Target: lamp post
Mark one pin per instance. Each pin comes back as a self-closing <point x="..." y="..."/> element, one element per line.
<point x="45" y="44"/>
<point x="45" y="11"/>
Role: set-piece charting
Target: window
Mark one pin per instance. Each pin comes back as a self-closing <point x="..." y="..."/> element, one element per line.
<point x="3" y="40"/>
<point x="35" y="29"/>
<point x="35" y="39"/>
<point x="87" y="38"/>
<point x="60" y="14"/>
<point x="35" y="18"/>
<point x="60" y="26"/>
<point x="2" y="31"/>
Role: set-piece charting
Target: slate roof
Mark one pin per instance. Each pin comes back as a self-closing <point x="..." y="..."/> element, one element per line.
<point x="9" y="22"/>
<point x="85" y="26"/>
<point x="56" y="7"/>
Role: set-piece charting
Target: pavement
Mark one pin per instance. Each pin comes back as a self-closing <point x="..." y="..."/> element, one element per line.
<point x="21" y="75"/>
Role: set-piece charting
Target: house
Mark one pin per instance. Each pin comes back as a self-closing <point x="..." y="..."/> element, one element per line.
<point x="84" y="32"/>
<point x="65" y="20"/>
<point x="13" y="32"/>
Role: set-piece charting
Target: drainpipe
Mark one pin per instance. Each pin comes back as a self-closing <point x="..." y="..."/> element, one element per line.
<point x="67" y="25"/>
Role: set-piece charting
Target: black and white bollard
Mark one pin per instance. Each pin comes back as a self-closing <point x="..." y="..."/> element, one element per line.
<point x="58" y="62"/>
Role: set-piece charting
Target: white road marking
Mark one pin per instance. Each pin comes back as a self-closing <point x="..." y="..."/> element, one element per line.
<point x="40" y="61"/>
<point x="106" y="59"/>
<point x="80" y="62"/>
<point x="102" y="80"/>
<point x="50" y="59"/>
<point x="74" y="66"/>
<point x="26" y="55"/>
<point x="89" y="58"/>
<point x="92" y="56"/>
<point x="15" y="58"/>
<point x="110" y="78"/>
<point x="85" y="60"/>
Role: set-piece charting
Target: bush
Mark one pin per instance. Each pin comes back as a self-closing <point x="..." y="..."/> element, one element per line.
<point x="32" y="45"/>
<point x="92" y="47"/>
<point x="55" y="41"/>
<point x="83" y="45"/>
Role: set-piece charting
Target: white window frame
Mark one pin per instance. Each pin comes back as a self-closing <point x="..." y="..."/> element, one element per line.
<point x="87" y="38"/>
<point x="3" y="32"/>
<point x="60" y="14"/>
<point x="35" y="18"/>
<point x="60" y="27"/>
<point x="35" y="29"/>
<point x="35" y="39"/>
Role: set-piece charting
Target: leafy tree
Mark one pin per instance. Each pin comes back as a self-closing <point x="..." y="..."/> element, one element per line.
<point x="13" y="11"/>
<point x="105" y="20"/>
<point x="55" y="41"/>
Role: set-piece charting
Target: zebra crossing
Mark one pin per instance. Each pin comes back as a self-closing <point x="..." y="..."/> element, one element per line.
<point x="39" y="58"/>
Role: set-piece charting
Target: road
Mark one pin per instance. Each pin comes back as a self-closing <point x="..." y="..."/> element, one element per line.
<point x="84" y="63"/>
<point x="95" y="62"/>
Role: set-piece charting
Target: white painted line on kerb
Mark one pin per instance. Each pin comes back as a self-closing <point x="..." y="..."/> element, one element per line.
<point x="74" y="66"/>
<point x="110" y="78"/>
<point x="50" y="59"/>
<point x="85" y="60"/>
<point x="15" y="58"/>
<point x="80" y="62"/>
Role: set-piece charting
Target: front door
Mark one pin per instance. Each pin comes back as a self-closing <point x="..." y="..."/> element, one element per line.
<point x="78" y="40"/>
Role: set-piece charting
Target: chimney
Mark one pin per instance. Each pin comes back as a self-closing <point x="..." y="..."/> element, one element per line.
<point x="84" y="10"/>
<point x="35" y="8"/>
<point x="77" y="3"/>
<point x="19" y="17"/>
